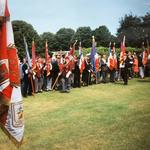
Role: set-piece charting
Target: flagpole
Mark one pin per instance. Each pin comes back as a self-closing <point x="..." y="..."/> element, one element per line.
<point x="56" y="81"/>
<point x="30" y="65"/>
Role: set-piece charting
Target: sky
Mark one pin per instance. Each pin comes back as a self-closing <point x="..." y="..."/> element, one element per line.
<point x="51" y="15"/>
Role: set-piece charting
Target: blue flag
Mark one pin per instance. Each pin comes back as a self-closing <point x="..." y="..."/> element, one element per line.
<point x="93" y="53"/>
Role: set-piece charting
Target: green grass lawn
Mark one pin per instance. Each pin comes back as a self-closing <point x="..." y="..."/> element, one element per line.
<point x="104" y="116"/>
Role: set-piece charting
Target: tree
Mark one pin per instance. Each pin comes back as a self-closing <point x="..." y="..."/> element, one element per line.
<point x="51" y="39"/>
<point x="102" y="35"/>
<point x="128" y="27"/>
<point x="22" y="28"/>
<point x="84" y="34"/>
<point x="64" y="38"/>
<point x="146" y="26"/>
<point x="146" y="20"/>
<point x="136" y="29"/>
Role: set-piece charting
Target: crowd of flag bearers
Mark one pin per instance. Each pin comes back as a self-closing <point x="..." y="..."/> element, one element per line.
<point x="61" y="71"/>
<point x="65" y="70"/>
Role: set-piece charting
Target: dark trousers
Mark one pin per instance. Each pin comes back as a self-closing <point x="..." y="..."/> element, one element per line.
<point x="30" y="90"/>
<point x="112" y="75"/>
<point x="104" y="75"/>
<point x="25" y="86"/>
<point x="124" y="75"/>
<point x="54" y="77"/>
<point x="77" y="79"/>
<point x="86" y="77"/>
<point x="130" y="72"/>
<point x="66" y="83"/>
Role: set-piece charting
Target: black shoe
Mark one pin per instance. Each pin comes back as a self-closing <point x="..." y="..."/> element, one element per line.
<point x="62" y="91"/>
<point x="25" y="96"/>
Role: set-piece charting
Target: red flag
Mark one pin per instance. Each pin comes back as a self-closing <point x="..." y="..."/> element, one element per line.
<point x="47" y="59"/>
<point x="112" y="59"/>
<point x="123" y="48"/>
<point x="14" y="73"/>
<point x="122" y="53"/>
<point x="97" y="63"/>
<point x="46" y="52"/>
<point x="11" y="109"/>
<point x="5" y="93"/>
<point x="112" y="62"/>
<point x="72" y="49"/>
<point x="71" y="52"/>
<point x="145" y="57"/>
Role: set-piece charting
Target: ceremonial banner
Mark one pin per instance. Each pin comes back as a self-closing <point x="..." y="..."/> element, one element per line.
<point x="123" y="48"/>
<point x="112" y="59"/>
<point x="122" y="53"/>
<point x="71" y="52"/>
<point x="27" y="53"/>
<point x="11" y="109"/>
<point x="33" y="55"/>
<point x="46" y="52"/>
<point x="145" y="54"/>
<point x="81" y="60"/>
<point x="93" y="53"/>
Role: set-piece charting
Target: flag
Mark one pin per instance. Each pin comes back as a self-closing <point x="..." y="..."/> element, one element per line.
<point x="145" y="53"/>
<point x="112" y="58"/>
<point x="5" y="88"/>
<point x="47" y="59"/>
<point x="92" y="56"/>
<point x="145" y="57"/>
<point x="33" y="54"/>
<point x="71" y="52"/>
<point x="109" y="50"/>
<point x="11" y="107"/>
<point x="123" y="48"/>
<point x="27" y="53"/>
<point x="81" y="60"/>
<point x="80" y="49"/>
<point x="31" y="70"/>
<point x="122" y="53"/>
<point x="97" y="63"/>
<point x="46" y="52"/>
<point x="71" y="56"/>
<point x="72" y="49"/>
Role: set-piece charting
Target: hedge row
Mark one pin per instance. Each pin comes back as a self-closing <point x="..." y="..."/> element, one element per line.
<point x="104" y="50"/>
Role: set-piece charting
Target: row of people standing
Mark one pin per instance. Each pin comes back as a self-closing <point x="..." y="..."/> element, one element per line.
<point x="62" y="73"/>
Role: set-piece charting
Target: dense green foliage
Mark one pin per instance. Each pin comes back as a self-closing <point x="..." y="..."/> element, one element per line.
<point x="64" y="38"/>
<point x="21" y="28"/>
<point x="50" y="37"/>
<point x="105" y="50"/>
<point x="98" y="117"/>
<point x="136" y="29"/>
<point x="84" y="35"/>
<point x="103" y="36"/>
